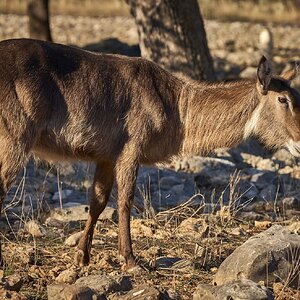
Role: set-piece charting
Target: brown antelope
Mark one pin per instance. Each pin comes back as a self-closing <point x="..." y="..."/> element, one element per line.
<point x="63" y="103"/>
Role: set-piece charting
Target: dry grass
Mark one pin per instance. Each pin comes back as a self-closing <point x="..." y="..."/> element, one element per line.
<point x="40" y="260"/>
<point x="255" y="11"/>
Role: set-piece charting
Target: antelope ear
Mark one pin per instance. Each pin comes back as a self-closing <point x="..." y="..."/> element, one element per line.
<point x="291" y="74"/>
<point x="264" y="75"/>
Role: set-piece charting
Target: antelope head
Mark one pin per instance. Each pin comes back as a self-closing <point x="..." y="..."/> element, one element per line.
<point x="276" y="119"/>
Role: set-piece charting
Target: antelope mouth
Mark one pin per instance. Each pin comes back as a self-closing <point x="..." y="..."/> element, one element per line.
<point x="294" y="148"/>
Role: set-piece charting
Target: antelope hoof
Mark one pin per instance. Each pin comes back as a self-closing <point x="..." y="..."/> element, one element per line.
<point x="129" y="265"/>
<point x="82" y="258"/>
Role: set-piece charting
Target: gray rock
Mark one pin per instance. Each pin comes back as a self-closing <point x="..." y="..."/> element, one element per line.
<point x="166" y="183"/>
<point x="80" y="213"/>
<point x="171" y="294"/>
<point x="71" y="292"/>
<point x="73" y="239"/>
<point x="67" y="276"/>
<point x="267" y="257"/>
<point x="251" y="171"/>
<point x="142" y="292"/>
<point x="104" y="283"/>
<point x="4" y="227"/>
<point x="243" y="289"/>
<point x="13" y="282"/>
<point x="213" y="178"/>
<point x="63" y="195"/>
<point x="290" y="203"/>
<point x="247" y="189"/>
<point x="35" y="229"/>
<point x="263" y="179"/>
<point x="197" y="164"/>
<point x="52" y="222"/>
<point x="267" y="164"/>
<point x="285" y="156"/>
<point x="237" y="231"/>
<point x="178" y="188"/>
<point x="269" y="193"/>
<point x="250" y="216"/>
<point x="175" y="263"/>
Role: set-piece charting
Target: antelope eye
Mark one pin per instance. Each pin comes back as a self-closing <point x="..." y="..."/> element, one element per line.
<point x="283" y="100"/>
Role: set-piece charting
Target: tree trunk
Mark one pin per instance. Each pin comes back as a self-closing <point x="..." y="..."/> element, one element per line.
<point x="38" y="12"/>
<point x="171" y="33"/>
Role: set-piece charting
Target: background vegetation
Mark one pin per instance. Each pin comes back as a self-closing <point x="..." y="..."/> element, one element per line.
<point x="287" y="11"/>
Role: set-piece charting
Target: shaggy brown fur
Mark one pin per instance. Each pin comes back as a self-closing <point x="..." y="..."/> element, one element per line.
<point x="62" y="103"/>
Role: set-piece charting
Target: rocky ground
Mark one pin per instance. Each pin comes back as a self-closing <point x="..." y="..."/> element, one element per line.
<point x="187" y="219"/>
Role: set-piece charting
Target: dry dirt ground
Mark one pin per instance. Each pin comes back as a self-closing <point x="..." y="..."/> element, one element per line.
<point x="40" y="260"/>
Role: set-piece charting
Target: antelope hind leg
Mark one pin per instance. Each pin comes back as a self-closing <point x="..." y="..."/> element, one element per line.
<point x="103" y="181"/>
<point x="12" y="160"/>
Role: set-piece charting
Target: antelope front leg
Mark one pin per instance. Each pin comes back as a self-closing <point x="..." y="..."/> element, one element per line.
<point x="126" y="172"/>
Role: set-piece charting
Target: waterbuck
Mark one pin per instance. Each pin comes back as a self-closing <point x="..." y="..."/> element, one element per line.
<point x="63" y="103"/>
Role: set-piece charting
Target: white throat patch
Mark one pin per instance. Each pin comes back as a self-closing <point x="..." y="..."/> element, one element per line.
<point x="252" y="122"/>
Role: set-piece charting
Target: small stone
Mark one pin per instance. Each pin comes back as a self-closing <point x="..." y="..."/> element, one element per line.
<point x="194" y="227"/>
<point x="67" y="276"/>
<point x="237" y="231"/>
<point x="52" y="222"/>
<point x="141" y="292"/>
<point x="35" y="229"/>
<point x="142" y="228"/>
<point x="73" y="239"/>
<point x="263" y="179"/>
<point x="290" y="203"/>
<point x="63" y="195"/>
<point x="88" y="184"/>
<point x="286" y="170"/>
<point x="13" y="282"/>
<point x="269" y="193"/>
<point x="266" y="164"/>
<point x="71" y="292"/>
<point x="77" y="212"/>
<point x="109" y="214"/>
<point x="259" y="207"/>
<point x="54" y="272"/>
<point x="247" y="189"/>
<point x="295" y="227"/>
<point x="168" y="182"/>
<point x="173" y="295"/>
<point x="285" y="156"/>
<point x="104" y="283"/>
<point x="178" y="188"/>
<point x="175" y="263"/>
<point x="105" y="261"/>
<point x="5" y="294"/>
<point x="4" y="227"/>
<point x="250" y="216"/>
<point x="262" y="224"/>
